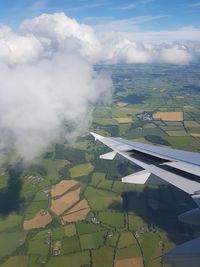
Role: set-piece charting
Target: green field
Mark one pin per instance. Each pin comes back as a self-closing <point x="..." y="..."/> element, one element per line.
<point x="113" y="219"/>
<point x="9" y="222"/>
<point x="73" y="260"/>
<point x="100" y="199"/>
<point x="85" y="228"/>
<point x="128" y="252"/>
<point x="126" y="239"/>
<point x="97" y="177"/>
<point x="81" y="170"/>
<point x="149" y="244"/>
<point x="38" y="247"/>
<point x="103" y="256"/>
<point x="35" y="207"/>
<point x="70" y="244"/>
<point x="93" y="240"/>
<point x="16" y="261"/>
<point x="9" y="242"/>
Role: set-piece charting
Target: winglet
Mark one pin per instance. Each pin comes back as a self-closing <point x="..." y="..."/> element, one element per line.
<point x="97" y="136"/>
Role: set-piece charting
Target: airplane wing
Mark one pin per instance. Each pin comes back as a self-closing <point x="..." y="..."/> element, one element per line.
<point x="163" y="165"/>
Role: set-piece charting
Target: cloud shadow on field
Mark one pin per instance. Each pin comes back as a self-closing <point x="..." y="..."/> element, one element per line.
<point x="159" y="207"/>
<point x="10" y="199"/>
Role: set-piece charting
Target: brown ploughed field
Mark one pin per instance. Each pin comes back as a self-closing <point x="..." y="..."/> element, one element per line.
<point x="132" y="262"/>
<point x="41" y="219"/>
<point x="63" y="187"/>
<point x="78" y="212"/>
<point x="63" y="203"/>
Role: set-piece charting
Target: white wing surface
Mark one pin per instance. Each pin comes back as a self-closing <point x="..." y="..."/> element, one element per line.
<point x="179" y="168"/>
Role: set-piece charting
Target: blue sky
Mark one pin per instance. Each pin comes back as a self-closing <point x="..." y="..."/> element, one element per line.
<point x="143" y="15"/>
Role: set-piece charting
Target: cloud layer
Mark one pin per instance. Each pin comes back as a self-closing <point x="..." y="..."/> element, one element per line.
<point x="47" y="78"/>
<point x="48" y="34"/>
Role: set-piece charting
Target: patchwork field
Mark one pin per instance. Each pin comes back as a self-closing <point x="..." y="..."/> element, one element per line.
<point x="73" y="206"/>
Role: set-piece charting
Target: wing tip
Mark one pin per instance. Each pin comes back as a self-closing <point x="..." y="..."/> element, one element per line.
<point x="97" y="136"/>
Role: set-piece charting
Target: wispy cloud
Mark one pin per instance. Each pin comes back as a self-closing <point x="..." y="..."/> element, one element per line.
<point x="127" y="25"/>
<point x="183" y="34"/>
<point x="194" y="5"/>
<point x="133" y="5"/>
<point x="97" y="20"/>
<point x="125" y="7"/>
<point x="87" y="6"/>
<point x="40" y="4"/>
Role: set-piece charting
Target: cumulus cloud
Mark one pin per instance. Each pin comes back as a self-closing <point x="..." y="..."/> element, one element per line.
<point x="46" y="83"/>
<point x="48" y="80"/>
<point x="17" y="49"/>
<point x="37" y="100"/>
<point x="57" y="29"/>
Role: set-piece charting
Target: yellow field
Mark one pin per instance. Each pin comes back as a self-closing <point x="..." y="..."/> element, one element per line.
<point x="124" y="120"/>
<point x="195" y="134"/>
<point x="122" y="104"/>
<point x="177" y="133"/>
<point x="188" y="107"/>
<point x="132" y="262"/>
<point x="81" y="170"/>
<point x="134" y="110"/>
<point x="168" y="116"/>
<point x="70" y="230"/>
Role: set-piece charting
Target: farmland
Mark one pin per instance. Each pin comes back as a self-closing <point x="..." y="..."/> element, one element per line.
<point x="71" y="207"/>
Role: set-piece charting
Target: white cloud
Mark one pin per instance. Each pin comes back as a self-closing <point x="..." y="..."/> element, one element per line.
<point x="37" y="99"/>
<point x="47" y="75"/>
<point x="57" y="30"/>
<point x="46" y="81"/>
<point x="15" y="49"/>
